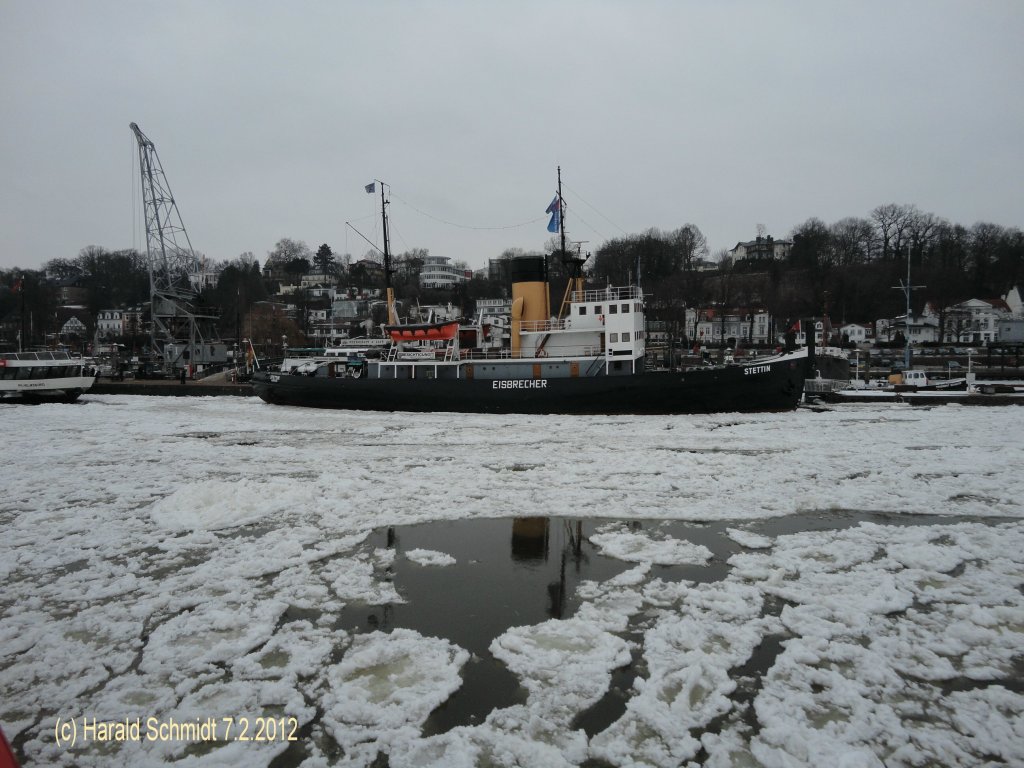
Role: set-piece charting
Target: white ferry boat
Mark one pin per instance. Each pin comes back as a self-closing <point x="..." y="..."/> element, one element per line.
<point x="37" y="377"/>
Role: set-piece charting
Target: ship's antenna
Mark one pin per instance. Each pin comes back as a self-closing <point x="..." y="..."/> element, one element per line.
<point x="561" y="212"/>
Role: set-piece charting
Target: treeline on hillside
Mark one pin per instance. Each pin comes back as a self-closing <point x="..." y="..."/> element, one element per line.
<point x="849" y="268"/>
<point x="103" y="279"/>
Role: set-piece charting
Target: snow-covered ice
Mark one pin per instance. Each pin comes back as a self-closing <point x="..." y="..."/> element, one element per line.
<point x="191" y="558"/>
<point x="640" y="548"/>
<point x="430" y="557"/>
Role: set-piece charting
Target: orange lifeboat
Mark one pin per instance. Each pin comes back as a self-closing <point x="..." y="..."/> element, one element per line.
<point x="424" y="331"/>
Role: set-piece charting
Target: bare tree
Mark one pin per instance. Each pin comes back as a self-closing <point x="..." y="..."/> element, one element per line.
<point x="851" y="241"/>
<point x="892" y="221"/>
<point x="691" y="245"/>
<point x="286" y="251"/>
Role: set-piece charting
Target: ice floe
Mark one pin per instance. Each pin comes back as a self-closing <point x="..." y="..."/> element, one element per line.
<point x="185" y="558"/>
<point x="385" y="687"/>
<point x="430" y="557"/>
<point x="640" y="548"/>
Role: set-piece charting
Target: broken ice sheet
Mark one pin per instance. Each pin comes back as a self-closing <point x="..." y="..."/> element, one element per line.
<point x="640" y="547"/>
<point x="384" y="688"/>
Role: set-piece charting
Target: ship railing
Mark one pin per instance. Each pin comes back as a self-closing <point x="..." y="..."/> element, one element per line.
<point x="36" y="356"/>
<point x="508" y="354"/>
<point x="542" y="326"/>
<point x="451" y="355"/>
<point x="611" y="293"/>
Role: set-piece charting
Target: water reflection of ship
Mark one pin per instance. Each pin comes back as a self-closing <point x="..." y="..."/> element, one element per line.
<point x="531" y="541"/>
<point x="385" y="621"/>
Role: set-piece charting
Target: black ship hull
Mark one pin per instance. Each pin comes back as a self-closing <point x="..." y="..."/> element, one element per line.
<point x="832" y="367"/>
<point x="774" y="385"/>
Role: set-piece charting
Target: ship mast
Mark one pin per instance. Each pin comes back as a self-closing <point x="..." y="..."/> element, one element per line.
<point x="561" y="212"/>
<point x="388" y="288"/>
<point x="575" y="264"/>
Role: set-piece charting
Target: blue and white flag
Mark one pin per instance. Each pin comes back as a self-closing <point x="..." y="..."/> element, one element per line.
<point x="555" y="209"/>
<point x="371" y="187"/>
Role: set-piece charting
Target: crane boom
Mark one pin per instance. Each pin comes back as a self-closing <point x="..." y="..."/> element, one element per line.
<point x="181" y="335"/>
<point x="168" y="248"/>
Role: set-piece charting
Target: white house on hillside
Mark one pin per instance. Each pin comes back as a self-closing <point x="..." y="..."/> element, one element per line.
<point x="761" y="248"/>
<point x="919" y="330"/>
<point x="857" y="333"/>
<point x="110" y="323"/>
<point x="73" y="326"/>
<point x="712" y="326"/>
<point x="975" y="321"/>
<point x="205" y="279"/>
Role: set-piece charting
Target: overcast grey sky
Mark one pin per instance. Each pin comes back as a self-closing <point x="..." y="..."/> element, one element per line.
<point x="270" y="117"/>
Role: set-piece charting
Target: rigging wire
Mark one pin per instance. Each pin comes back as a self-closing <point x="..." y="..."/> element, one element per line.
<point x="464" y="226"/>
<point x="395" y="232"/>
<point x="586" y="223"/>
<point x="134" y="209"/>
<point x="372" y="244"/>
<point x="348" y="225"/>
<point x="595" y="210"/>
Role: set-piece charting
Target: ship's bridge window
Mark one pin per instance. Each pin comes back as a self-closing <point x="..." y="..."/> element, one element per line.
<point x="597" y="309"/>
<point x="625" y="308"/>
<point x="613" y="337"/>
<point x="582" y="309"/>
<point x="613" y="308"/>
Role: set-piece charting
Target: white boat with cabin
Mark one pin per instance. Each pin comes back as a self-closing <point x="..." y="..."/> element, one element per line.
<point x="37" y="377"/>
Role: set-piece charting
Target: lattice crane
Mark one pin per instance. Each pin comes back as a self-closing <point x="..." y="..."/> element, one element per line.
<point x="181" y="335"/>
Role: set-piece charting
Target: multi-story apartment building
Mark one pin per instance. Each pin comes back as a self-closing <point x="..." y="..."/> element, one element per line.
<point x="437" y="272"/>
